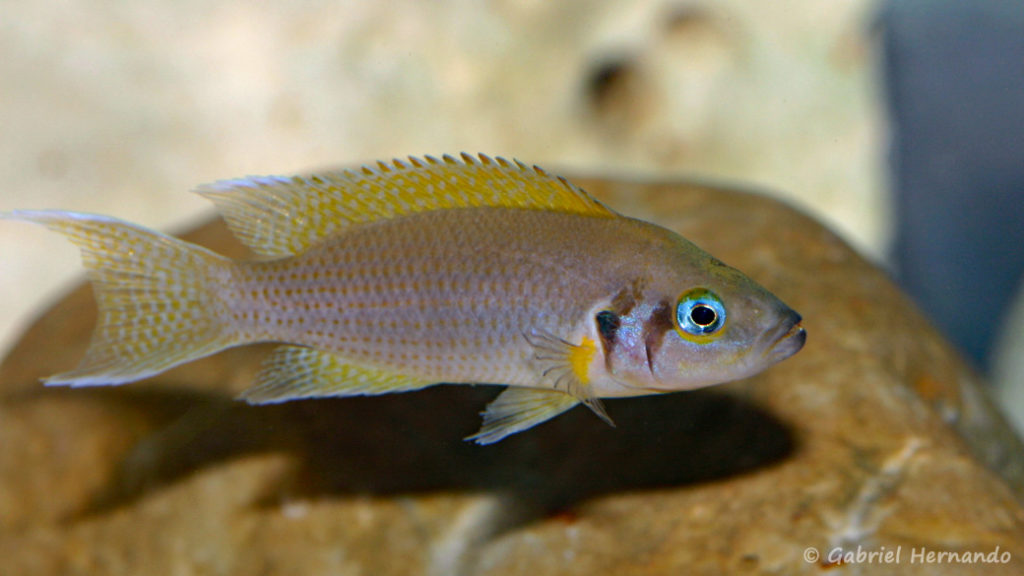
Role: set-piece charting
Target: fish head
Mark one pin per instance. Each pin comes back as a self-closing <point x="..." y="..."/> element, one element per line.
<point x="696" y="322"/>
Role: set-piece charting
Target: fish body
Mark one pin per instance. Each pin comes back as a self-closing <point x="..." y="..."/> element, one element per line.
<point x="397" y="277"/>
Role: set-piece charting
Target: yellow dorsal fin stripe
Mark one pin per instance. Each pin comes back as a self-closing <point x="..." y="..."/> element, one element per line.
<point x="284" y="215"/>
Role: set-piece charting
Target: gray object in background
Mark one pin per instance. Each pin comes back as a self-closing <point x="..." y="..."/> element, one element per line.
<point x="955" y="80"/>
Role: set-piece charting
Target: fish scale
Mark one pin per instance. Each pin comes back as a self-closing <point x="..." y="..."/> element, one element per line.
<point x="404" y="299"/>
<point x="397" y="276"/>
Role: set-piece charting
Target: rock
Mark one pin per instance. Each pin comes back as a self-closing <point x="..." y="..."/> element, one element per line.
<point x="874" y="437"/>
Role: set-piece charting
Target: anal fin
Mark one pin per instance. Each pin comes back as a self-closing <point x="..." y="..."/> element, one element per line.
<point x="517" y="409"/>
<point x="294" y="372"/>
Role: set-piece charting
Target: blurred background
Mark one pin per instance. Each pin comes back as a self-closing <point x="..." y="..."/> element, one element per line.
<point x="901" y="124"/>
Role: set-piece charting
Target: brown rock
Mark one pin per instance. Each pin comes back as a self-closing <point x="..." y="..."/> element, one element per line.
<point x="875" y="435"/>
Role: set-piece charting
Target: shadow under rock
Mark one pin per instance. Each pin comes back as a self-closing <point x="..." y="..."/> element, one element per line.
<point x="412" y="443"/>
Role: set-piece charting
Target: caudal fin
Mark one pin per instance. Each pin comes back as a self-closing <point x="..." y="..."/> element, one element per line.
<point x="157" y="297"/>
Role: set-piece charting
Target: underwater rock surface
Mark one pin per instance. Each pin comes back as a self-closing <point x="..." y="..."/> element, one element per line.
<point x="875" y="435"/>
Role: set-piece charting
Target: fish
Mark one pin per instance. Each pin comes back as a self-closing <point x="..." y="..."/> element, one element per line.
<point x="400" y="275"/>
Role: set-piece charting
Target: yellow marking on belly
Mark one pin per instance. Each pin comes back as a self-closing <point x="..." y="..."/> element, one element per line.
<point x="580" y="358"/>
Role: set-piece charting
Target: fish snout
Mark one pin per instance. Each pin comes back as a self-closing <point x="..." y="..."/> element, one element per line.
<point x="786" y="339"/>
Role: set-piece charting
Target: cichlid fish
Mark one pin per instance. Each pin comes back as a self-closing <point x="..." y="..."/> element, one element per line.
<point x="413" y="273"/>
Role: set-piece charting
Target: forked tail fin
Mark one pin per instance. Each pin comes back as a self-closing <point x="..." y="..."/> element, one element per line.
<point x="158" y="298"/>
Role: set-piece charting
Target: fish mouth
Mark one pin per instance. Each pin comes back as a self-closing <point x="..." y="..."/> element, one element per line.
<point x="787" y="339"/>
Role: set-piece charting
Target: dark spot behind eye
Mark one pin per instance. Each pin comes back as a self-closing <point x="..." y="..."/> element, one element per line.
<point x="608" y="327"/>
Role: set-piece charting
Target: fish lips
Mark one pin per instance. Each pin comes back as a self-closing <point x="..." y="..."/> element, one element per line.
<point x="786" y="339"/>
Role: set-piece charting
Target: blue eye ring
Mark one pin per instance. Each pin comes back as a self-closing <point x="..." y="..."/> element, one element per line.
<point x="700" y="312"/>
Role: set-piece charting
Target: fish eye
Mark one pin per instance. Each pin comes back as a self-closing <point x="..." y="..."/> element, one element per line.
<point x="699" y="313"/>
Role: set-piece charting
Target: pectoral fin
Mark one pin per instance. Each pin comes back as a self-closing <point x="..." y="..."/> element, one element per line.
<point x="517" y="409"/>
<point x="565" y="367"/>
<point x="293" y="372"/>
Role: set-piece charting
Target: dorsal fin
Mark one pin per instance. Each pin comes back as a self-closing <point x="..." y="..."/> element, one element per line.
<point x="284" y="215"/>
